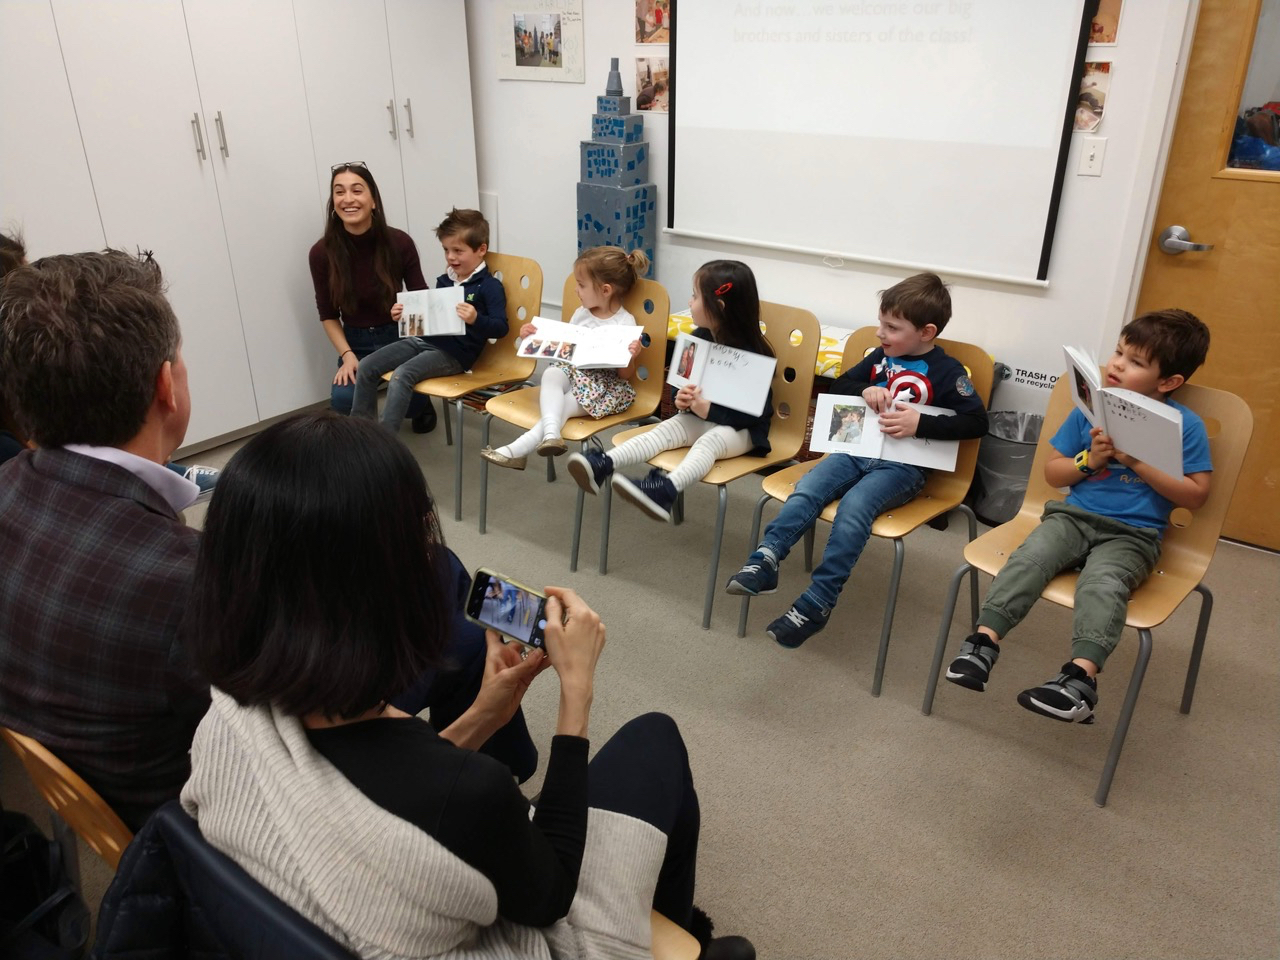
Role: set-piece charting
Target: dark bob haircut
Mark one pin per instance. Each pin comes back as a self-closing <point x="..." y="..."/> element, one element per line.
<point x="319" y="586"/>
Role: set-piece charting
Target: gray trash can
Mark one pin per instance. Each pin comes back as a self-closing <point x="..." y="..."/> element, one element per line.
<point x="1004" y="464"/>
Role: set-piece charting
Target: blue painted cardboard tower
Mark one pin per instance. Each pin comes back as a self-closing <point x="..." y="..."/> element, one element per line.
<point x="617" y="204"/>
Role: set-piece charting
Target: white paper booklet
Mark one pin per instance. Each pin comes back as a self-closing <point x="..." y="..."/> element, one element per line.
<point x="431" y="313"/>
<point x="731" y="377"/>
<point x="848" y="425"/>
<point x="1149" y="430"/>
<point x="587" y="348"/>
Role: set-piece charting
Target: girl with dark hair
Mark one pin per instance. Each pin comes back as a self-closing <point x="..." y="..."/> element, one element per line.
<point x="396" y="839"/>
<point x="357" y="268"/>
<point x="726" y="309"/>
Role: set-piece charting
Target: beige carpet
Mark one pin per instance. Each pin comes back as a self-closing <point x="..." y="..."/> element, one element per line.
<point x="836" y="824"/>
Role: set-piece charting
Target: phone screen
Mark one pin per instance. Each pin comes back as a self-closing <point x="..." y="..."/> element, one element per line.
<point x="508" y="608"/>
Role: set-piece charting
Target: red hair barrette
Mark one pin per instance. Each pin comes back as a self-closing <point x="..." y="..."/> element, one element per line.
<point x="723" y="289"/>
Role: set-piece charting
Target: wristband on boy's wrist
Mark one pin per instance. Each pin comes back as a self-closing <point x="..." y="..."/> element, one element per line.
<point x="345" y="352"/>
<point x="1082" y="463"/>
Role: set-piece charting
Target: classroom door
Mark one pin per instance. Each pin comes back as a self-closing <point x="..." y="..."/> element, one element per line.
<point x="1232" y="286"/>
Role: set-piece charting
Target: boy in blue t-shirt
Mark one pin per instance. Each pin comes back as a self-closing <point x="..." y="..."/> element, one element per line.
<point x="1111" y="522"/>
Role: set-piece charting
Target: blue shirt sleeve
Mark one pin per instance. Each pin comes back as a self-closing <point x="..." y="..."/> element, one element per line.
<point x="1073" y="435"/>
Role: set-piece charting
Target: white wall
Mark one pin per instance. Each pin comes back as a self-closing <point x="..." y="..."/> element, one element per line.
<point x="527" y="136"/>
<point x="1262" y="85"/>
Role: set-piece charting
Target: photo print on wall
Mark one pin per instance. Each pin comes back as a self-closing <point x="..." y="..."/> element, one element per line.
<point x="540" y="40"/>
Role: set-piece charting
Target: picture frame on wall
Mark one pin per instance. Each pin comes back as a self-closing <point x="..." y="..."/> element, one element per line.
<point x="540" y="40"/>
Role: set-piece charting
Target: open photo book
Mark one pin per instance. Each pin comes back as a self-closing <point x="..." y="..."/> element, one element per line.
<point x="848" y="425"/>
<point x="731" y="377"/>
<point x="587" y="348"/>
<point x="431" y="313"/>
<point x="1148" y="430"/>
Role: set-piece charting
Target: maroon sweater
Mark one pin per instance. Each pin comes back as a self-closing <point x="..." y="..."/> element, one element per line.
<point x="371" y="310"/>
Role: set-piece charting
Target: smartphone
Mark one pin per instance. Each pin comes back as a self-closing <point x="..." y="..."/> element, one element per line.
<point x="512" y="609"/>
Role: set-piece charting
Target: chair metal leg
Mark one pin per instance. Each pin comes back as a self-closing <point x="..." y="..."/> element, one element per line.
<point x="457" y="467"/>
<point x="756" y="518"/>
<point x="484" y="470"/>
<point x="577" y="530"/>
<point x="809" y="536"/>
<point x="67" y="849"/>
<point x="448" y="426"/>
<point x="607" y="507"/>
<point x="1126" y="715"/>
<point x="973" y="571"/>
<point x="677" y="510"/>
<point x="944" y="631"/>
<point x="1197" y="648"/>
<point x="551" y="469"/>
<point x="890" y="605"/>
<point x="713" y="568"/>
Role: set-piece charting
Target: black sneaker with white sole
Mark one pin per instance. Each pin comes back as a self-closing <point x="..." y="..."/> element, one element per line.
<point x="972" y="668"/>
<point x="1070" y="696"/>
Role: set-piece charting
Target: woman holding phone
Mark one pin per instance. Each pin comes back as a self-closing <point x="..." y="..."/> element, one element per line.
<point x="393" y="838"/>
<point x="357" y="268"/>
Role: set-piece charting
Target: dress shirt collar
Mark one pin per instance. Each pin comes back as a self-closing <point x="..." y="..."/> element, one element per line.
<point x="177" y="491"/>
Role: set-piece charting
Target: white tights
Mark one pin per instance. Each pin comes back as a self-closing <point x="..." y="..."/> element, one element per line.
<point x="707" y="443"/>
<point x="557" y="406"/>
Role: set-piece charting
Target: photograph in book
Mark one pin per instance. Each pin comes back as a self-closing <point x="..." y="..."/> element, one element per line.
<point x="587" y="348"/>
<point x="729" y="376"/>
<point x="1146" y="429"/>
<point x="849" y="426"/>
<point x="431" y="313"/>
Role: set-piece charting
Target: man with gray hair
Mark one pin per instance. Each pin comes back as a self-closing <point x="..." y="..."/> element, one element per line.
<point x="98" y="562"/>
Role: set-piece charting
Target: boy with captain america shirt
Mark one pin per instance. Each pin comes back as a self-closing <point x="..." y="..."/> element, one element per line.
<point x="907" y="366"/>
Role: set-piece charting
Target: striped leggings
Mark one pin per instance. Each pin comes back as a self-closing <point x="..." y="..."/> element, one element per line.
<point x="707" y="443"/>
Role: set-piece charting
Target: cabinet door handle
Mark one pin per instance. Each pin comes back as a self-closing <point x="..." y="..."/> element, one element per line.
<point x="199" y="137"/>
<point x="408" y="110"/>
<point x="391" y="109"/>
<point x="222" y="134"/>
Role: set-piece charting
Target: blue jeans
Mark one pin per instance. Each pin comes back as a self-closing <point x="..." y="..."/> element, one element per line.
<point x="865" y="488"/>
<point x="413" y="360"/>
<point x="364" y="341"/>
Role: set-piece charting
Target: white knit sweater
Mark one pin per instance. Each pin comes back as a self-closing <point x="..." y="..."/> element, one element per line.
<point x="378" y="884"/>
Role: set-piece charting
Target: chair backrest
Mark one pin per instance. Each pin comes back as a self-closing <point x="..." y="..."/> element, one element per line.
<point x="795" y="336"/>
<point x="71" y="798"/>
<point x="649" y="302"/>
<point x="522" y="282"/>
<point x="1190" y="537"/>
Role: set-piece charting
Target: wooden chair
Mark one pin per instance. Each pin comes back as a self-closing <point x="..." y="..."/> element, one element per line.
<point x="942" y="493"/>
<point x="1188" y="546"/>
<point x="73" y="804"/>
<point x="794" y="335"/>
<point x="497" y="364"/>
<point x="649" y="302"/>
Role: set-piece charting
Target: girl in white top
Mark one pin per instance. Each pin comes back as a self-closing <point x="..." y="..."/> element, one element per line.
<point x="604" y="275"/>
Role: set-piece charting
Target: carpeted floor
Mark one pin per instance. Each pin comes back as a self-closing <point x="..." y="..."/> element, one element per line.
<point x="836" y="824"/>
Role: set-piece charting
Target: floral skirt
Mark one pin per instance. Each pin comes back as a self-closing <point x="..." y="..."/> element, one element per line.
<point x="601" y="393"/>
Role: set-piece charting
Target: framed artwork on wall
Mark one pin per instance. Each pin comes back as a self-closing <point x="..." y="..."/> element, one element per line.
<point x="540" y="40"/>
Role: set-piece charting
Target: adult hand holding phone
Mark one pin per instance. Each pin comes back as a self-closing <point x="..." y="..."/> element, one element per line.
<point x="575" y="638"/>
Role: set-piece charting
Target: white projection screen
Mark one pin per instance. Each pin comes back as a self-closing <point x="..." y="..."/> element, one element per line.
<point x="929" y="134"/>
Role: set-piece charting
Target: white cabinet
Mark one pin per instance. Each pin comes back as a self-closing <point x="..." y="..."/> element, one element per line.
<point x="45" y="189"/>
<point x="350" y="94"/>
<point x="152" y="162"/>
<point x="255" y="109"/>
<point x="433" y="80"/>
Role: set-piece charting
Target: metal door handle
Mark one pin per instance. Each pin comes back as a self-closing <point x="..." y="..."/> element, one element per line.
<point x="1177" y="240"/>
<point x="199" y="137"/>
<point x="408" y="110"/>
<point x="391" y="109"/>
<point x="222" y="134"/>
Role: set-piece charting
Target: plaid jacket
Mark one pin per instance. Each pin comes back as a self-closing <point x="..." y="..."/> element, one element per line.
<point x="95" y="574"/>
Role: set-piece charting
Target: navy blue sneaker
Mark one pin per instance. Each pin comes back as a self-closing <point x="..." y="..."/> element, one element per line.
<point x="758" y="575"/>
<point x="206" y="478"/>
<point x="590" y="469"/>
<point x="798" y="624"/>
<point x="654" y="493"/>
